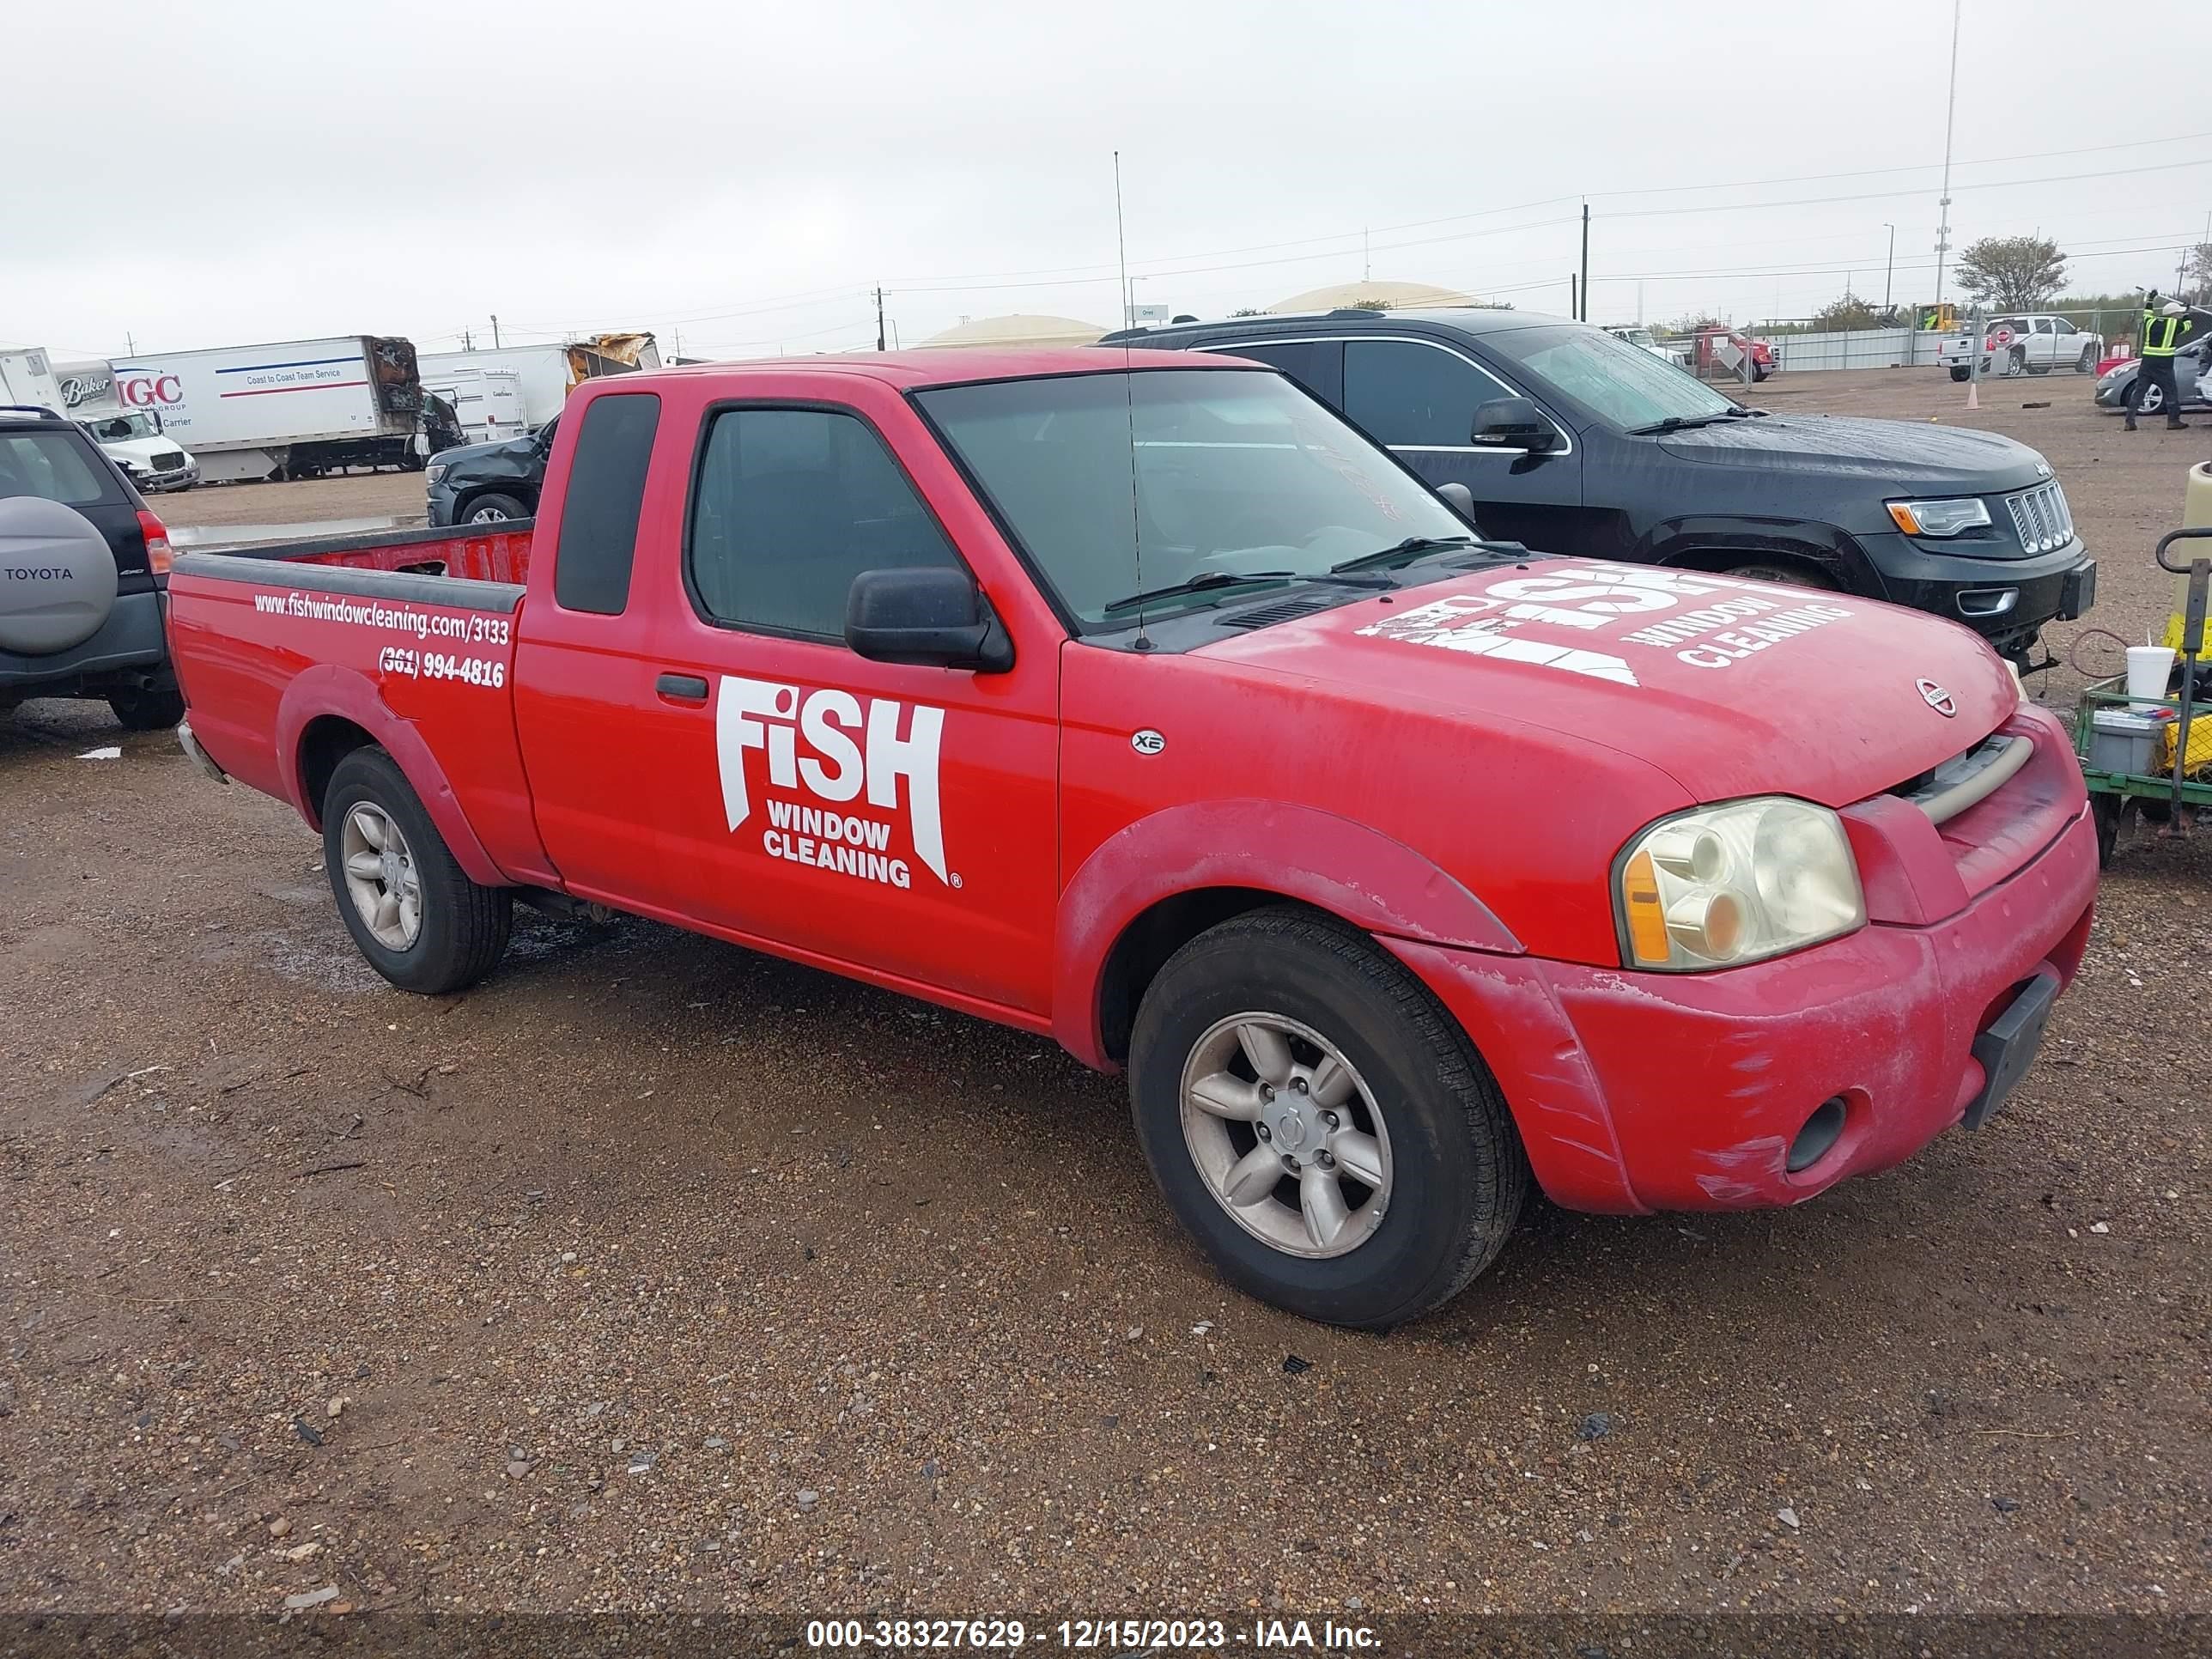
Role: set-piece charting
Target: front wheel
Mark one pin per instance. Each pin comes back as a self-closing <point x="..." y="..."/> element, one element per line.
<point x="2087" y="362"/>
<point x="411" y="909"/>
<point x="494" y="509"/>
<point x="1788" y="575"/>
<point x="1318" y="1124"/>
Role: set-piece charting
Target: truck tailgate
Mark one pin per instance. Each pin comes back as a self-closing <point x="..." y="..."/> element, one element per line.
<point x="366" y="631"/>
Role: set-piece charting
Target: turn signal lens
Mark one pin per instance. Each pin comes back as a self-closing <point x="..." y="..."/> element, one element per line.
<point x="1647" y="918"/>
<point x="158" y="557"/>
<point x="1735" y="883"/>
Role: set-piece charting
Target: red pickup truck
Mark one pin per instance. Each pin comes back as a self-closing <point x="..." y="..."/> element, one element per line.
<point x="1137" y="700"/>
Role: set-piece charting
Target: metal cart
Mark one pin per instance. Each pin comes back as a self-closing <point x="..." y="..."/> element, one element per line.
<point x="2133" y="785"/>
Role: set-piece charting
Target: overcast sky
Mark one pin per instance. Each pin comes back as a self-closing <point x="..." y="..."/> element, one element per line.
<point x="229" y="171"/>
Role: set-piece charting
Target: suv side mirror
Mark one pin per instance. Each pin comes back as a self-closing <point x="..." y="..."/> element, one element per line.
<point x="1512" y="423"/>
<point x="926" y="615"/>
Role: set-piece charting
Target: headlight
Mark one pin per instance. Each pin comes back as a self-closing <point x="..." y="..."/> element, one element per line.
<point x="434" y="472"/>
<point x="1722" y="885"/>
<point x="1940" y="518"/>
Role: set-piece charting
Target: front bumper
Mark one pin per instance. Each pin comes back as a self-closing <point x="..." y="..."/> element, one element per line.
<point x="157" y="483"/>
<point x="1636" y="1092"/>
<point x="2005" y="601"/>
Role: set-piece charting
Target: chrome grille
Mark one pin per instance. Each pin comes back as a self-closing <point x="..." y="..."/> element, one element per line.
<point x="2040" y="517"/>
<point x="168" y="460"/>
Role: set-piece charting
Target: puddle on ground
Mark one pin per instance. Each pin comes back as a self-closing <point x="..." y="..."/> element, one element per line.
<point x="207" y="537"/>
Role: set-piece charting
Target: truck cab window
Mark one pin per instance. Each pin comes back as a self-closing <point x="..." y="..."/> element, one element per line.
<point x="606" y="483"/>
<point x="791" y="505"/>
<point x="1413" y="396"/>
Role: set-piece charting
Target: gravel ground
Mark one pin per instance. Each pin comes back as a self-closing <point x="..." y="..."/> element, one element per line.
<point x="652" y="1274"/>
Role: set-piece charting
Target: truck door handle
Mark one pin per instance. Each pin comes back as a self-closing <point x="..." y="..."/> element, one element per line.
<point x="681" y="688"/>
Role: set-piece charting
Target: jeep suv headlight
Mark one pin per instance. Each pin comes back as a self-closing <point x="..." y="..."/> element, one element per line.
<point x="1945" y="517"/>
<point x="1722" y="885"/>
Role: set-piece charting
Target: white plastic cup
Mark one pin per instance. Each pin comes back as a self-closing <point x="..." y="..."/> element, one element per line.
<point x="2148" y="668"/>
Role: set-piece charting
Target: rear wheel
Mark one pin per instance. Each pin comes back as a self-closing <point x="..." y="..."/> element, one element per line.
<point x="2016" y="363"/>
<point x="147" y="707"/>
<point x="411" y="909"/>
<point x="1961" y="371"/>
<point x="492" y="509"/>
<point x="1317" y="1124"/>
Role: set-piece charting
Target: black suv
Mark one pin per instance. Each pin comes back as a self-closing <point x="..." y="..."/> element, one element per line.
<point x="82" y="563"/>
<point x="1580" y="444"/>
<point x="484" y="483"/>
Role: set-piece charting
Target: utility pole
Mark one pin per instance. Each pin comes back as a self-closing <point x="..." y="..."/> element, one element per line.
<point x="130" y="346"/>
<point x="468" y="341"/>
<point x="879" y="317"/>
<point x="1889" y="270"/>
<point x="1366" y="265"/>
<point x="1950" y="115"/>
<point x="494" y="331"/>
<point x="1574" y="297"/>
<point x="1585" y="310"/>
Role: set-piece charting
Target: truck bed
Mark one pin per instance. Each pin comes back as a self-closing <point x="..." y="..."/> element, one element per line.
<point x="408" y="636"/>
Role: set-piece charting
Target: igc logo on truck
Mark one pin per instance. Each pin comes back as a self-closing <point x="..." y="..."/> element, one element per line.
<point x="834" y="770"/>
<point x="146" y="391"/>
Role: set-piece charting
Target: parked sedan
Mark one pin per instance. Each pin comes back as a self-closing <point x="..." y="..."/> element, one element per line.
<point x="2192" y="366"/>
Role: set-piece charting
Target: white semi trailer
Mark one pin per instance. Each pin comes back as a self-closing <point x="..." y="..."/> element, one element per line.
<point x="291" y="410"/>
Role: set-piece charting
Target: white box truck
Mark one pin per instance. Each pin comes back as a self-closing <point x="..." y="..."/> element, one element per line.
<point x="488" y="403"/>
<point x="296" y="409"/>
<point x="547" y="373"/>
<point x="26" y="380"/>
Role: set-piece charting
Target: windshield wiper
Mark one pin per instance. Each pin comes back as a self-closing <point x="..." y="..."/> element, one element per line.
<point x="1202" y="582"/>
<point x="1206" y="580"/>
<point x="1403" y="552"/>
<point x="1685" y="422"/>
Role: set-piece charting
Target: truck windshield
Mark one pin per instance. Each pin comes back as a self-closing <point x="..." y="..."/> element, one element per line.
<point x="1615" y="381"/>
<point x="1231" y="472"/>
<point x="110" y="428"/>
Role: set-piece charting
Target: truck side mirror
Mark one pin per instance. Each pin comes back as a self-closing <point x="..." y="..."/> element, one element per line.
<point x="927" y="615"/>
<point x="1512" y="423"/>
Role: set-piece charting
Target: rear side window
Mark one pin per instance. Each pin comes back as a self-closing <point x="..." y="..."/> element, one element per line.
<point x="598" y="515"/>
<point x="791" y="505"/>
<point x="54" y="465"/>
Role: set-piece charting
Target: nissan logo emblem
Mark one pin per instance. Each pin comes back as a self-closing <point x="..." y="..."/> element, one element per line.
<point x="1936" y="698"/>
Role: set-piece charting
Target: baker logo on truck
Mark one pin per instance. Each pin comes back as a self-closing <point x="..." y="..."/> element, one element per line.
<point x="826" y="750"/>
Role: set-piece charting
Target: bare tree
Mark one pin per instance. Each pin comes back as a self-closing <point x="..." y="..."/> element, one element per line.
<point x="2200" y="271"/>
<point x="2012" y="273"/>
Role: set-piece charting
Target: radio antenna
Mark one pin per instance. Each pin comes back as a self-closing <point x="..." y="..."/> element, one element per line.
<point x="1129" y="396"/>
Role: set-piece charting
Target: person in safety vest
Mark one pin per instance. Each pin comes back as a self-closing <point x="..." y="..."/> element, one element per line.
<point x="2165" y="329"/>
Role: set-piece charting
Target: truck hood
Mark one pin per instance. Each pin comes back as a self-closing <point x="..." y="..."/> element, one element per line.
<point x="1912" y="455"/>
<point x="1731" y="688"/>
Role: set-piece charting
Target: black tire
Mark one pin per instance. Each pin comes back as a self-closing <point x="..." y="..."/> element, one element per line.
<point x="463" y="930"/>
<point x="148" y="707"/>
<point x="1789" y="575"/>
<point x="1458" y="1174"/>
<point x="2105" y="809"/>
<point x="2154" y="399"/>
<point x="2016" y="361"/>
<point x="491" y="509"/>
<point x="2087" y="362"/>
<point x="1962" y="371"/>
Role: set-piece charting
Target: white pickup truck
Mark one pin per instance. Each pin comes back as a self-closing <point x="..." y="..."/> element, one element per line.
<point x="2023" y="342"/>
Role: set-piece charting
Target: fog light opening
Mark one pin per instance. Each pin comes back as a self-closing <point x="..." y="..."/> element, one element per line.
<point x="1822" y="1132"/>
